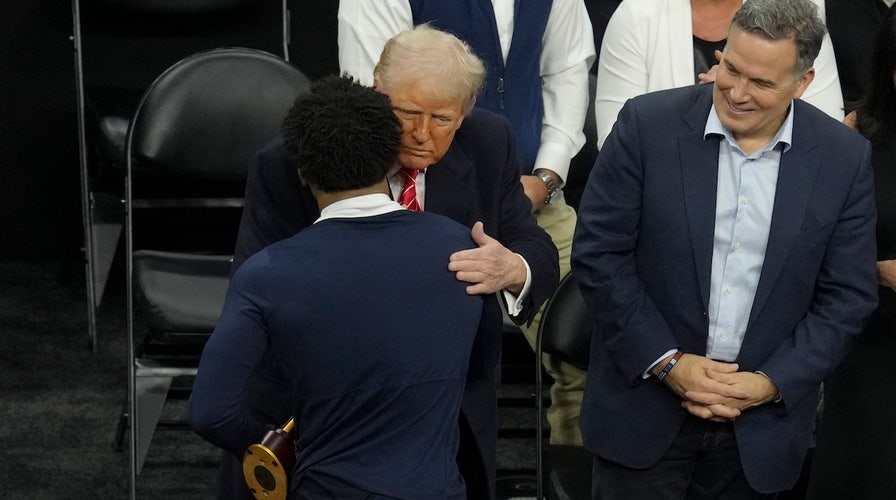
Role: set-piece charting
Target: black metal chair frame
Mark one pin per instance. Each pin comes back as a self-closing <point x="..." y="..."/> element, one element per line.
<point x="244" y="103"/>
<point x="100" y="213"/>
<point x="564" y="333"/>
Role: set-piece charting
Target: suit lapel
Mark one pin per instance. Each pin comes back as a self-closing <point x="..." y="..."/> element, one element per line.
<point x="450" y="187"/>
<point x="796" y="177"/>
<point x="699" y="161"/>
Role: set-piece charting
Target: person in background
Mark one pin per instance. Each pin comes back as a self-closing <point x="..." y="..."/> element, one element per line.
<point x="537" y="56"/>
<point x="856" y="454"/>
<point x="725" y="248"/>
<point x="654" y="45"/>
<point x="456" y="161"/>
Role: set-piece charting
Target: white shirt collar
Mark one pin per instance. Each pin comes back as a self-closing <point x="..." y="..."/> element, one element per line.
<point x="784" y="135"/>
<point x="367" y="205"/>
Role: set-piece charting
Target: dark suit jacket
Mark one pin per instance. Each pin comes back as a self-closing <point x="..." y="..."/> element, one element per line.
<point x="476" y="180"/>
<point x="853" y="25"/>
<point x="643" y="256"/>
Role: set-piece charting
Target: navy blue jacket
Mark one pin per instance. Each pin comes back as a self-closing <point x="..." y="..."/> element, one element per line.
<point x="376" y="394"/>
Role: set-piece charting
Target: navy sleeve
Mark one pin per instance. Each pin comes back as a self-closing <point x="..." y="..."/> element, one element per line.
<point x="218" y="408"/>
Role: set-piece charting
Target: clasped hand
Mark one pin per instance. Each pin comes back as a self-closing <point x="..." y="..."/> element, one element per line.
<point x="490" y="268"/>
<point x="717" y="391"/>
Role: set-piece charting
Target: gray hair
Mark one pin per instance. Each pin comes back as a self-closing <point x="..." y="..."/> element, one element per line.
<point x="776" y="20"/>
<point x="425" y="52"/>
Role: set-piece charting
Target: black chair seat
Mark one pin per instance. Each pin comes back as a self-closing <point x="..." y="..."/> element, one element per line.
<point x="181" y="293"/>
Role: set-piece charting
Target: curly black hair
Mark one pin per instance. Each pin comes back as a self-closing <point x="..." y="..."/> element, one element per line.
<point x="342" y="135"/>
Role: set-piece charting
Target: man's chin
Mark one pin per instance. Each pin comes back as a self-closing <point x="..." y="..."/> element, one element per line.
<point x="415" y="162"/>
<point x="736" y="124"/>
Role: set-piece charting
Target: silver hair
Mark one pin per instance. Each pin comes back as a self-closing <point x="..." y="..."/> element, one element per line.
<point x="776" y="20"/>
<point x="427" y="53"/>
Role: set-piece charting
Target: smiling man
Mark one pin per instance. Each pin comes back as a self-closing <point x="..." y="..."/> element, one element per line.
<point x="725" y="246"/>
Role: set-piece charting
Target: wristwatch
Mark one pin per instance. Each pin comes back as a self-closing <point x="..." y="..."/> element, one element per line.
<point x="553" y="188"/>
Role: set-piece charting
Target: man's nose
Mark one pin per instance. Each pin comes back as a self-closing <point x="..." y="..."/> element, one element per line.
<point x="738" y="90"/>
<point x="421" y="128"/>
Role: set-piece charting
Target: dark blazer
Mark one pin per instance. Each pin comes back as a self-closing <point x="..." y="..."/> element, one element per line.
<point x="643" y="256"/>
<point x="853" y="25"/>
<point x="476" y="180"/>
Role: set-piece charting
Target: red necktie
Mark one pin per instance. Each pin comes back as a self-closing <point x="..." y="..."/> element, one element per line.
<point x="408" y="196"/>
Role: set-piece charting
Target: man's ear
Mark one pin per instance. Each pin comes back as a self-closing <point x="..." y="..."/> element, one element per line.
<point x="376" y="84"/>
<point x="804" y="82"/>
<point x="302" y="178"/>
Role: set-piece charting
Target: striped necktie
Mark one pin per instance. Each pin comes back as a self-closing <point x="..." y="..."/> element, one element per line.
<point x="408" y="196"/>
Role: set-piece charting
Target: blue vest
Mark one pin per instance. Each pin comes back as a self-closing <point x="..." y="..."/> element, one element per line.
<point x="514" y="89"/>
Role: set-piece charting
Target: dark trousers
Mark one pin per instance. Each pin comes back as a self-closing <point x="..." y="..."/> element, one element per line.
<point x="702" y="464"/>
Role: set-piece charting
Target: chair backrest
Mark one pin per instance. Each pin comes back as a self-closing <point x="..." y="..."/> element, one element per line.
<point x="206" y="115"/>
<point x="191" y="140"/>
<point x="565" y="325"/>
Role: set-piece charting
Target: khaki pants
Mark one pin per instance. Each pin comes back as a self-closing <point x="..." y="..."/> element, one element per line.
<point x="559" y="220"/>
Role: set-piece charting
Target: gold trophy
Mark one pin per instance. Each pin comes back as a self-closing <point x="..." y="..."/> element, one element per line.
<point x="268" y="465"/>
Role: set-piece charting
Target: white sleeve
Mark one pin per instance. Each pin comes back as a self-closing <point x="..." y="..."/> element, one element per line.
<point x="622" y="67"/>
<point x="364" y="27"/>
<point x="824" y="92"/>
<point x="566" y="56"/>
<point x="513" y="304"/>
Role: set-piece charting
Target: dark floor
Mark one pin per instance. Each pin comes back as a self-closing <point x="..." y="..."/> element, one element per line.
<point x="61" y="403"/>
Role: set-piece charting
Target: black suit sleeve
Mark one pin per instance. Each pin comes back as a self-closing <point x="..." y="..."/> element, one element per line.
<point x="519" y="232"/>
<point x="276" y="207"/>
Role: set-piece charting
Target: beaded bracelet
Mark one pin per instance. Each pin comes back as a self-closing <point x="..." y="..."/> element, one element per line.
<point x="678" y="354"/>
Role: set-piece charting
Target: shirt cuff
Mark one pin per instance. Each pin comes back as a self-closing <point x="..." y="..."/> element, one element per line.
<point x="647" y="373"/>
<point x="514" y="303"/>
<point x="555" y="157"/>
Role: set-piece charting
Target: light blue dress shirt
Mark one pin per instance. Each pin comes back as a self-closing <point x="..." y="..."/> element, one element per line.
<point x="744" y="203"/>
